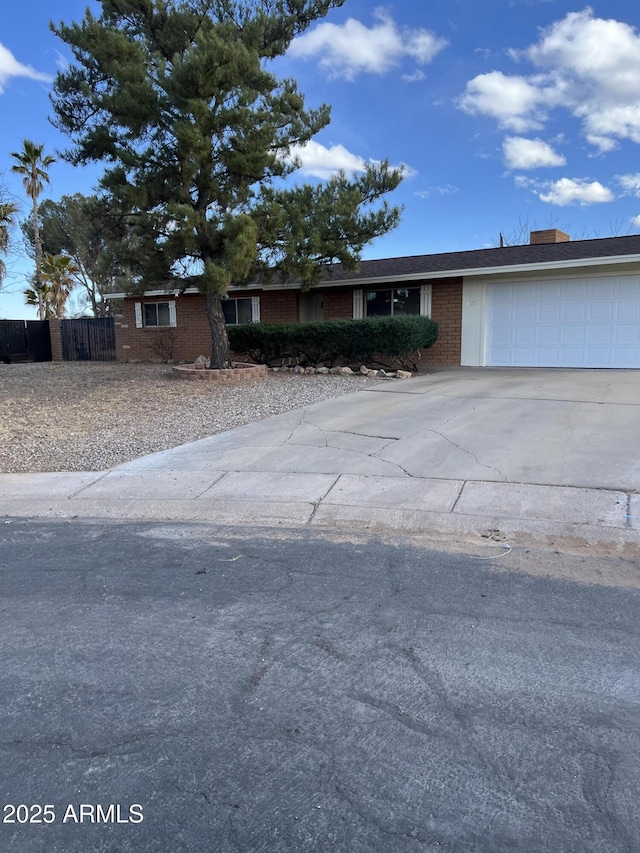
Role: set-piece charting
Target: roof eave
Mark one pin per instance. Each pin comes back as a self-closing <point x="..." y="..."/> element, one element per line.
<point x="609" y="260"/>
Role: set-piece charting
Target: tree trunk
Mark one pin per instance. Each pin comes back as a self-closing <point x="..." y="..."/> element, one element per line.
<point x="219" y="339"/>
<point x="38" y="247"/>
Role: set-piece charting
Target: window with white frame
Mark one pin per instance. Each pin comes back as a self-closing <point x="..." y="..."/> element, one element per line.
<point x="388" y="301"/>
<point x="155" y="315"/>
<point x="241" y="310"/>
<point x="392" y="302"/>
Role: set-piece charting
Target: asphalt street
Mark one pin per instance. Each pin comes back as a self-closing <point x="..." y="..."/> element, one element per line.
<point x="187" y="687"/>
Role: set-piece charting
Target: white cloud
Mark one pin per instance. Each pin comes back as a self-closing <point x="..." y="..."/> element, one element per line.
<point x="523" y="182"/>
<point x="515" y="102"/>
<point x="416" y="77"/>
<point x="586" y="65"/>
<point x="630" y="184"/>
<point x="10" y="67"/>
<point x="604" y="52"/>
<point x="407" y="170"/>
<point x="448" y="189"/>
<point x="521" y="153"/>
<point x="569" y="190"/>
<point x="602" y="143"/>
<point x="635" y="221"/>
<point x="62" y="62"/>
<point x="351" y="48"/>
<point x="319" y="161"/>
<point x="606" y="124"/>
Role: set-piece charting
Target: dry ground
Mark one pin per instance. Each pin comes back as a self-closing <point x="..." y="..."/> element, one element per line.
<point x="88" y="416"/>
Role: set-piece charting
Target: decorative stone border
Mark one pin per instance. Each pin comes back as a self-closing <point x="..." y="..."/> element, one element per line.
<point x="237" y="373"/>
<point x="343" y="371"/>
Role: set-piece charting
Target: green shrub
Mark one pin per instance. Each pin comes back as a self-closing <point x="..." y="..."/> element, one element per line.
<point x="334" y="340"/>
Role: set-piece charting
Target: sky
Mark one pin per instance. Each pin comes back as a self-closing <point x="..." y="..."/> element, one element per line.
<point x="506" y="115"/>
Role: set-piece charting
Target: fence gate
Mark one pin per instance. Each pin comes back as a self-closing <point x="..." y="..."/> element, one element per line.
<point x="88" y="339"/>
<point x="24" y="340"/>
<point x="38" y="339"/>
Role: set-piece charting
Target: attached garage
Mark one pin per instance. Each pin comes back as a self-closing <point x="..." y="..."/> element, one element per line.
<point x="588" y="322"/>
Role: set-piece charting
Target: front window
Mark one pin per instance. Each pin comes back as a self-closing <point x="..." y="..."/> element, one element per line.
<point x="237" y="311"/>
<point x="389" y="303"/>
<point x="157" y="314"/>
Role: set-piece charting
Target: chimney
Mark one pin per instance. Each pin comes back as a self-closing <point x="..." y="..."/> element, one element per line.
<point x="551" y="235"/>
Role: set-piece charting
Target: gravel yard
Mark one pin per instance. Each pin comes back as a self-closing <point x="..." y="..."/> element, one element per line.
<point x="88" y="416"/>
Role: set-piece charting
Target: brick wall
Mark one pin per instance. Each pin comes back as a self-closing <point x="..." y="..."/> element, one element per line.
<point x="192" y="336"/>
<point x="446" y="310"/>
<point x="279" y="306"/>
<point x="56" y="339"/>
<point x="338" y="304"/>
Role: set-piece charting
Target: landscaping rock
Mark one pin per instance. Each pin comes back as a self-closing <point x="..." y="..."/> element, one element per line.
<point x="346" y="371"/>
<point x="90" y="416"/>
<point x="335" y="371"/>
<point x="364" y="370"/>
<point x="403" y="374"/>
<point x="322" y="370"/>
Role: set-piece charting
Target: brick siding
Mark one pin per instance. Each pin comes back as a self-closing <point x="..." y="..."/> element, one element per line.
<point x="338" y="304"/>
<point x="279" y="306"/>
<point x="446" y="310"/>
<point x="192" y="337"/>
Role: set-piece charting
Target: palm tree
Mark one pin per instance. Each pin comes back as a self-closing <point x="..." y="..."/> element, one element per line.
<point x="7" y="221"/>
<point x="39" y="299"/>
<point x="32" y="164"/>
<point x="58" y="277"/>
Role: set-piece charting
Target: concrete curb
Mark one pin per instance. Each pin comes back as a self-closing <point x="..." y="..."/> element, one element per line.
<point x="515" y="512"/>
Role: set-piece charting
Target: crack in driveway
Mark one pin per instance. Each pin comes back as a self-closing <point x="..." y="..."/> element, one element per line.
<point x="471" y="454"/>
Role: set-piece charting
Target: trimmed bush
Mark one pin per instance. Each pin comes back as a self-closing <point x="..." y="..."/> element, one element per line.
<point x="334" y="340"/>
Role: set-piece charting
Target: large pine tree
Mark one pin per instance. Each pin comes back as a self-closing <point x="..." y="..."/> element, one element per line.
<point x="180" y="99"/>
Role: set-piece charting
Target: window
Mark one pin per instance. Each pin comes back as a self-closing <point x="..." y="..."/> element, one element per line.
<point x="158" y="314"/>
<point x="155" y="315"/>
<point x="387" y="303"/>
<point x="238" y="311"/>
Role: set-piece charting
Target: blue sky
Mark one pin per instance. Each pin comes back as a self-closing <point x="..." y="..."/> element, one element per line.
<point x="508" y="114"/>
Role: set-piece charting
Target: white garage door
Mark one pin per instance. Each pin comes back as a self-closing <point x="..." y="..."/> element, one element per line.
<point x="579" y="323"/>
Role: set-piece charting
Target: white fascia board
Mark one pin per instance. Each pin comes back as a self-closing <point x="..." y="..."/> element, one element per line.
<point x="138" y="295"/>
<point x="187" y="291"/>
<point x="170" y="292"/>
<point x="554" y="265"/>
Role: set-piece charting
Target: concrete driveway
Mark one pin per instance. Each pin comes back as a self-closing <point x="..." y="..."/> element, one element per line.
<point x="551" y="453"/>
<point x="552" y="427"/>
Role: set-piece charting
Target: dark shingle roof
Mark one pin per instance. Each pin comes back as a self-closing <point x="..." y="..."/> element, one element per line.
<point x="575" y="250"/>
